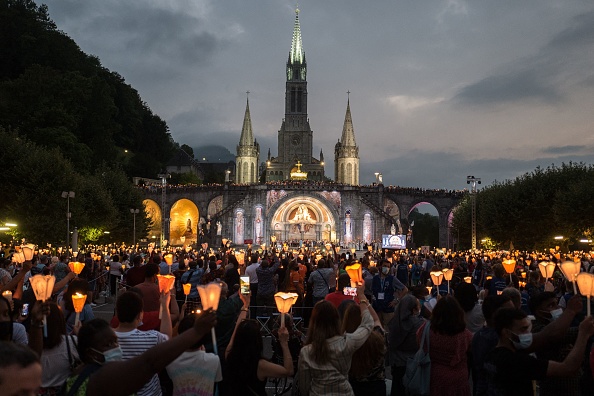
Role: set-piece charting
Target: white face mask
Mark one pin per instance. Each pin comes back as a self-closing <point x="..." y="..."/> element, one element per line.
<point x="556" y="313"/>
<point x="525" y="340"/>
<point x="385" y="270"/>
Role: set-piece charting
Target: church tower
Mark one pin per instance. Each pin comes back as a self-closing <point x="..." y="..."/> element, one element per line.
<point x="295" y="137"/>
<point x="346" y="153"/>
<point x="248" y="152"/>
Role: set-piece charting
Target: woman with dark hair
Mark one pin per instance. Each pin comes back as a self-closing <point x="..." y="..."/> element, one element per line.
<point x="59" y="354"/>
<point x="449" y="347"/>
<point x="325" y="360"/>
<point x="246" y="371"/>
<point x="473" y="312"/>
<point x="402" y="338"/>
<point x="367" y="373"/>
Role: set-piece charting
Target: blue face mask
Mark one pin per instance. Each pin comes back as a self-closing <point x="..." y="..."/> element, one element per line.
<point x="111" y="355"/>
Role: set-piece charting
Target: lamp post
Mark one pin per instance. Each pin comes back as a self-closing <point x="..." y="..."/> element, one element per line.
<point x="134" y="213"/>
<point x="163" y="177"/>
<point x="68" y="195"/>
<point x="473" y="181"/>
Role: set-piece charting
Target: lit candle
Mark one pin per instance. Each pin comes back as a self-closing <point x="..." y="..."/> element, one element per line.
<point x="187" y="288"/>
<point x="78" y="300"/>
<point x="7" y="294"/>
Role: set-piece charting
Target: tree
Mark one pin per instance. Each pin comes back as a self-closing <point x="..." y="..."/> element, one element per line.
<point x="530" y="210"/>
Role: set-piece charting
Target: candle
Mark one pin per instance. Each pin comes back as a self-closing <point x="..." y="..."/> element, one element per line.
<point x="187" y="287"/>
<point x="78" y="300"/>
<point x="7" y="294"/>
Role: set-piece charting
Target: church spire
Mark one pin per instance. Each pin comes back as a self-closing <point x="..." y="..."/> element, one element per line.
<point x="348" y="132"/>
<point x="247" y="135"/>
<point x="297" y="55"/>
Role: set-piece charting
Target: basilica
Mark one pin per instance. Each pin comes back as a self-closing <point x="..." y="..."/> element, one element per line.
<point x="288" y="197"/>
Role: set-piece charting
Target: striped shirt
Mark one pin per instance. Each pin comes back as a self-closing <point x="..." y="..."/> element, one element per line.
<point x="135" y="343"/>
<point x="331" y="378"/>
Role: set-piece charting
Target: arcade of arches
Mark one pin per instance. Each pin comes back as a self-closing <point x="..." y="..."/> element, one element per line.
<point x="253" y="213"/>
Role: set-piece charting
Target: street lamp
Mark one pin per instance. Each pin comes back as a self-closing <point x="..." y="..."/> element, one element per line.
<point x="163" y="177"/>
<point x="473" y="181"/>
<point x="134" y="213"/>
<point x="68" y="195"/>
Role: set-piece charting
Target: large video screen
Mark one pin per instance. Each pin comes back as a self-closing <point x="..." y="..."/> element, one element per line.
<point x="393" y="241"/>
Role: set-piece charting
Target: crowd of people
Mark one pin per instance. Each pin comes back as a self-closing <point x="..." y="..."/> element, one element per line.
<point x="486" y="331"/>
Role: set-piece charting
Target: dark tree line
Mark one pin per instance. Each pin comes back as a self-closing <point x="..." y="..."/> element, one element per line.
<point x="532" y="209"/>
<point x="69" y="124"/>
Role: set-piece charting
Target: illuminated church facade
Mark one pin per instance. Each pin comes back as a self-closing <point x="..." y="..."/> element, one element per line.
<point x="289" y="197"/>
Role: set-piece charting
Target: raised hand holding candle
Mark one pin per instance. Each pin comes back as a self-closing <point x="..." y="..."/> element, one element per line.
<point x="165" y="284"/>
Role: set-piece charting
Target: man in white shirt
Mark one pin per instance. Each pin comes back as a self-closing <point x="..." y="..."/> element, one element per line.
<point x="134" y="342"/>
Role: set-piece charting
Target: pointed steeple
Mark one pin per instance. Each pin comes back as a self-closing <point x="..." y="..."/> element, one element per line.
<point x="297" y="55"/>
<point x="348" y="132"/>
<point x="247" y="135"/>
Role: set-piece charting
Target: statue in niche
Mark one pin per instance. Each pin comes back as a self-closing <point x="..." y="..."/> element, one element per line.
<point x="258" y="225"/>
<point x="302" y="215"/>
<point x="219" y="228"/>
<point x="393" y="230"/>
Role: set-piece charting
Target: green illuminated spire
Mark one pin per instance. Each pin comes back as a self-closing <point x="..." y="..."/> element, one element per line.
<point x="297" y="55"/>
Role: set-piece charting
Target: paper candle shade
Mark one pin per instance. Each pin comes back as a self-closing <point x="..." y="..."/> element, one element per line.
<point x="546" y="268"/>
<point x="165" y="282"/>
<point x="18" y="257"/>
<point x="509" y="265"/>
<point x="353" y="250"/>
<point x="585" y="283"/>
<point x="570" y="269"/>
<point x="28" y="251"/>
<point x="187" y="288"/>
<point x="210" y="295"/>
<point x="355" y="273"/>
<point x="76" y="267"/>
<point x="284" y="302"/>
<point x="168" y="258"/>
<point x="468" y="279"/>
<point x="369" y="247"/>
<point x="7" y="294"/>
<point x="42" y="285"/>
<point x="78" y="300"/>
<point x="447" y="273"/>
<point x="436" y="277"/>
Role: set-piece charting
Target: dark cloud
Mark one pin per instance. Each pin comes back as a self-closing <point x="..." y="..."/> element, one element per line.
<point x="441" y="170"/>
<point x="561" y="150"/>
<point x="541" y="77"/>
<point x="513" y="86"/>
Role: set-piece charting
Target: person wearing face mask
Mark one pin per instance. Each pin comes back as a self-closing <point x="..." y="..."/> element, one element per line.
<point x="384" y="287"/>
<point x="510" y="370"/>
<point x="105" y="373"/>
<point x="546" y="310"/>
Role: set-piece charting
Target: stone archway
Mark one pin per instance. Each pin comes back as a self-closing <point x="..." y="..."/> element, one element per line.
<point x="303" y="218"/>
<point x="183" y="227"/>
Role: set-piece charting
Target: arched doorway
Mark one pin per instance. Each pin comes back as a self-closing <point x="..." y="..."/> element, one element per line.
<point x="184" y="222"/>
<point x="153" y="212"/>
<point x="303" y="218"/>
